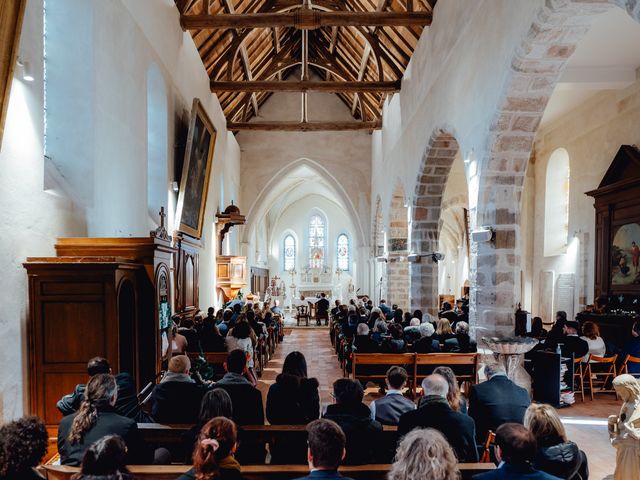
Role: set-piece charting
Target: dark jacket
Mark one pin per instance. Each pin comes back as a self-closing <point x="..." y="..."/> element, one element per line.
<point x="246" y="400"/>
<point x="458" y="428"/>
<point x="29" y="474"/>
<point x="293" y="401"/>
<point x="212" y="342"/>
<point x="324" y="475"/>
<point x="426" y="345"/>
<point x="460" y="344"/>
<point x="390" y="408"/>
<point x="176" y="402"/>
<point x="391" y="345"/>
<point x="363" y="434"/>
<point x="562" y="459"/>
<point x="495" y="402"/>
<point x="225" y="474"/>
<point x="126" y="404"/>
<point x="322" y="306"/>
<point x="193" y="340"/>
<point x="365" y="344"/>
<point x="107" y="423"/>
<point x="514" y="472"/>
<point x="569" y="345"/>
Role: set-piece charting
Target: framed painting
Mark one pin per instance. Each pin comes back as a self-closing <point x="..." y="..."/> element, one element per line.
<point x="196" y="170"/>
<point x="625" y="255"/>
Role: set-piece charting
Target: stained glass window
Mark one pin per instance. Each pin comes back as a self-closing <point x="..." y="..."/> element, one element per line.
<point x="316" y="241"/>
<point x="289" y="253"/>
<point x="343" y="252"/>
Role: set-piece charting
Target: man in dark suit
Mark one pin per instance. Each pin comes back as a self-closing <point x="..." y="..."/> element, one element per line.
<point x="571" y="343"/>
<point x="176" y="399"/>
<point x="322" y="309"/>
<point x="516" y="449"/>
<point x="245" y="398"/>
<point x="448" y="313"/>
<point x="354" y="418"/>
<point x="325" y="451"/>
<point x="435" y="412"/>
<point x="496" y="401"/>
<point x="126" y="404"/>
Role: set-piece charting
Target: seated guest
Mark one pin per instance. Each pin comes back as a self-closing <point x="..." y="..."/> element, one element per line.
<point x="214" y="455"/>
<point x="556" y="455"/>
<point x="454" y="396"/>
<point x="379" y="331"/>
<point x="211" y="340"/>
<point x="557" y="331"/>
<point x="335" y="310"/>
<point x="293" y="399"/>
<point x="397" y="315"/>
<point x="385" y="308"/>
<point x="406" y="319"/>
<point x="435" y="412"/>
<point x="354" y="417"/>
<point x="632" y="347"/>
<point x="96" y="418"/>
<point x="242" y="337"/>
<point x="395" y="344"/>
<point x="237" y="311"/>
<point x="362" y="342"/>
<point x="368" y="305"/>
<point x="461" y="342"/>
<point x="571" y="343"/>
<point x="245" y="398"/>
<point x="591" y="335"/>
<point x="388" y="409"/>
<point x="105" y="460"/>
<point x="515" y="450"/>
<point x="325" y="451"/>
<point x="496" y="401"/>
<point x="537" y="329"/>
<point x="188" y="331"/>
<point x="448" y="313"/>
<point x="443" y="330"/>
<point x="176" y="399"/>
<point x="426" y="454"/>
<point x="177" y="342"/>
<point x="224" y="326"/>
<point x="322" y="309"/>
<point x="373" y="318"/>
<point x="127" y="403"/>
<point x="426" y="343"/>
<point x="418" y="314"/>
<point x="412" y="332"/>
<point x="23" y="444"/>
<point x="215" y="403"/>
<point x="256" y="323"/>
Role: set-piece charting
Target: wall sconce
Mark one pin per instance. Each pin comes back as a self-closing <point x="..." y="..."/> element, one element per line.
<point x="483" y="234"/>
<point x="27" y="75"/>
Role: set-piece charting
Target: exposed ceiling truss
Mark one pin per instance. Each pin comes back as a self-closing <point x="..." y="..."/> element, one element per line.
<point x="358" y="48"/>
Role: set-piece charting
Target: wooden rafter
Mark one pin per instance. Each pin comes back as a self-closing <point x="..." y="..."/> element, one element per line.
<point x="298" y="19"/>
<point x="306" y="86"/>
<point x="305" y="126"/>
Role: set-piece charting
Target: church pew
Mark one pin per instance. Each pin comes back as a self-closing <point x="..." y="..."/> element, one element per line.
<point x="262" y="472"/>
<point x="170" y="437"/>
<point x="464" y="365"/>
<point x="381" y="359"/>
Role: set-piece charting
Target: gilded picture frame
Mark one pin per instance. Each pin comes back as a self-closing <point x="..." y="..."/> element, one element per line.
<point x="196" y="172"/>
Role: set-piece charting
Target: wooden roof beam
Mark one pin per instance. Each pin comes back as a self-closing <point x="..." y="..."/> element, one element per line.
<point x="305" y="19"/>
<point x="304" y="126"/>
<point x="306" y="86"/>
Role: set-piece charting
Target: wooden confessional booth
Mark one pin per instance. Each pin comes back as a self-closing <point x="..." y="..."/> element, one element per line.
<point x="106" y="297"/>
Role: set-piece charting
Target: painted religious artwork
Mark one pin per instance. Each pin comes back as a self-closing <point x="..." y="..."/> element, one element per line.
<point x="625" y="255"/>
<point x="196" y="171"/>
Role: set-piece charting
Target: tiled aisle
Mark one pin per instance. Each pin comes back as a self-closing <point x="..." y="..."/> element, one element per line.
<point x="585" y="422"/>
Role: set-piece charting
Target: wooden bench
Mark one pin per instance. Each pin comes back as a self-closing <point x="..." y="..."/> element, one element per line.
<point x="263" y="472"/>
<point x="412" y="362"/>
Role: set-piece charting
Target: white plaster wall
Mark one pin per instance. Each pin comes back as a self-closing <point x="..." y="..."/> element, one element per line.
<point x="128" y="37"/>
<point x="454" y="80"/>
<point x="592" y="135"/>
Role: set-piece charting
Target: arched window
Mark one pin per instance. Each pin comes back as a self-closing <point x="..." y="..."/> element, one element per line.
<point x="556" y="204"/>
<point x="289" y="253"/>
<point x="343" y="252"/>
<point x="317" y="242"/>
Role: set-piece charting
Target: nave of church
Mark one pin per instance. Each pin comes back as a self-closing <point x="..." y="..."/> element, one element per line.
<point x="415" y="190"/>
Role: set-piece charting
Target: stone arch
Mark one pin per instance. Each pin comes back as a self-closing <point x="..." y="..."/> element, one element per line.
<point x="425" y="217"/>
<point x="398" y="249"/>
<point x="534" y="71"/>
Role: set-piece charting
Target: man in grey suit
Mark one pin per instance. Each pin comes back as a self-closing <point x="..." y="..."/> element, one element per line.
<point x="388" y="409"/>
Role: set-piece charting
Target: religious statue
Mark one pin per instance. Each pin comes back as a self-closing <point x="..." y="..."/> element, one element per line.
<point x="624" y="429"/>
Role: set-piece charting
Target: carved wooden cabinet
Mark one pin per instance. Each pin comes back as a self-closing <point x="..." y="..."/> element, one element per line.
<point x="231" y="275"/>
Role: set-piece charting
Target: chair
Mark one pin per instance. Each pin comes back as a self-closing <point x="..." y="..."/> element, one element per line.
<point x="578" y="376"/>
<point x="303" y="314"/>
<point x="630" y="359"/>
<point x="322" y="316"/>
<point x="601" y="377"/>
<point x="486" y="448"/>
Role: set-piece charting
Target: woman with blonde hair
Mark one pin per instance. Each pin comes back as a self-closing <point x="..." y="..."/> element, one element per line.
<point x="454" y="396"/>
<point x="424" y="453"/>
<point x="443" y="330"/>
<point x="556" y="454"/>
